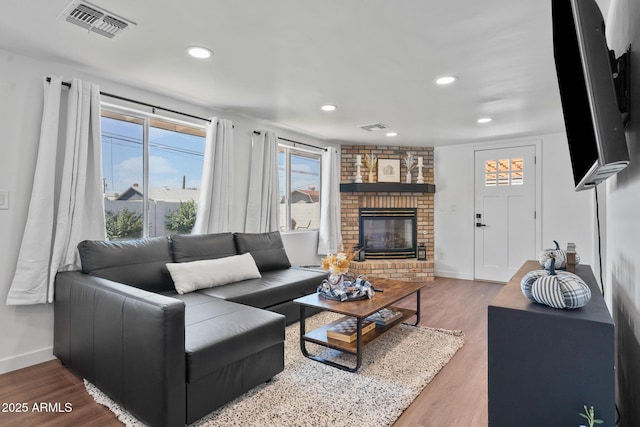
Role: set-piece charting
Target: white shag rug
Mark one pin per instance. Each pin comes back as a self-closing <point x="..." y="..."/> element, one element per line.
<point x="395" y="369"/>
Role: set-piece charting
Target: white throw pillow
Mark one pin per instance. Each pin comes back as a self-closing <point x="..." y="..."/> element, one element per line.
<point x="191" y="276"/>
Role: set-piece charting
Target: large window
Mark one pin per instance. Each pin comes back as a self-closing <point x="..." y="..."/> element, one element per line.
<point x="299" y="175"/>
<point x="151" y="170"/>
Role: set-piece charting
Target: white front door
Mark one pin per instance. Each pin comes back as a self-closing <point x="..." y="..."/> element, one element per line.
<point x="505" y="211"/>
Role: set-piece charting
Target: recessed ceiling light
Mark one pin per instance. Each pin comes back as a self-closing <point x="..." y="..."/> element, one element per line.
<point x="445" y="80"/>
<point x="328" y="107"/>
<point x="392" y="133"/>
<point x="485" y="120"/>
<point x="199" y="52"/>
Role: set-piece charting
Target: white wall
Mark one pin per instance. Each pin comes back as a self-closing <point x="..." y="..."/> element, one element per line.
<point x="26" y="332"/>
<point x="566" y="216"/>
<point x="454" y="210"/>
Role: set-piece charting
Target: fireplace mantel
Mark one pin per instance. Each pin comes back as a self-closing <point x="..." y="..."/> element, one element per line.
<point x="387" y="187"/>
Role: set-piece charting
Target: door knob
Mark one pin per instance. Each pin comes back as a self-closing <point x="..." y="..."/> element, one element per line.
<point x="478" y="224"/>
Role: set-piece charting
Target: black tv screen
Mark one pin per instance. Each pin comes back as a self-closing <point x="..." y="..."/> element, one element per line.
<point x="593" y="122"/>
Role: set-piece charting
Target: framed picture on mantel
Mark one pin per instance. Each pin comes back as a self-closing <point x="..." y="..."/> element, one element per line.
<point x="388" y="170"/>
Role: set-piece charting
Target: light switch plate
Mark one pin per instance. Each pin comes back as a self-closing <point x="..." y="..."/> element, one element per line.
<point x="4" y="199"/>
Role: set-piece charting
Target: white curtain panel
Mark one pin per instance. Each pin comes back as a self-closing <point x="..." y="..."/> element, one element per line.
<point x="263" y="200"/>
<point x="66" y="203"/>
<point x="330" y="237"/>
<point x="214" y="205"/>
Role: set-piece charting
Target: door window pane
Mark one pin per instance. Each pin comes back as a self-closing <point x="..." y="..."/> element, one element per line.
<point x="517" y="171"/>
<point x="504" y="172"/>
<point x="490" y="168"/>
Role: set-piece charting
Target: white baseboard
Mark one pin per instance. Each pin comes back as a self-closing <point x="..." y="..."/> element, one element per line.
<point x="453" y="274"/>
<point x="27" y="359"/>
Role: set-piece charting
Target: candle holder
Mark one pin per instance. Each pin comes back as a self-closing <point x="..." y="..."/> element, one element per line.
<point x="358" y="179"/>
<point x="420" y="166"/>
<point x="420" y="177"/>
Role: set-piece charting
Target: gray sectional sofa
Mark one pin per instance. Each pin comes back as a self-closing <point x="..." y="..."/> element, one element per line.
<point x="170" y="358"/>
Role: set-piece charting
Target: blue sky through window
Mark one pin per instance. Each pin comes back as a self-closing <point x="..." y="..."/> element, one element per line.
<point x="172" y="156"/>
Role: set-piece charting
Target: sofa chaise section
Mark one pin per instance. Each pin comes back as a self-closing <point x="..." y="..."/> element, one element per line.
<point x="229" y="348"/>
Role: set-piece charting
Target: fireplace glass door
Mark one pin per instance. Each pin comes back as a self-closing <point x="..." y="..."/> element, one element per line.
<point x="388" y="233"/>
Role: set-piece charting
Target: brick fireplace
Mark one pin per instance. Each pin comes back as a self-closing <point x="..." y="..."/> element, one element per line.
<point x="388" y="195"/>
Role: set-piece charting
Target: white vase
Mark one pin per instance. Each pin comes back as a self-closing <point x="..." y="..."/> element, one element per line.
<point x="408" y="178"/>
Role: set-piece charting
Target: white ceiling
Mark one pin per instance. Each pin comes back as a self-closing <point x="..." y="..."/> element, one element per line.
<point x="280" y="60"/>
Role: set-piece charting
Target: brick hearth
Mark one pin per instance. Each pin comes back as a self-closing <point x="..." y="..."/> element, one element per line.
<point x="408" y="269"/>
<point x="402" y="269"/>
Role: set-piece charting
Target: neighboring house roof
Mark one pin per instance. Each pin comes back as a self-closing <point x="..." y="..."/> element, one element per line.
<point x="305" y="196"/>
<point x="131" y="193"/>
<point x="161" y="194"/>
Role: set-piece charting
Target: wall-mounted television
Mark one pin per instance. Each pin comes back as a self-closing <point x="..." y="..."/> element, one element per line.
<point x="592" y="115"/>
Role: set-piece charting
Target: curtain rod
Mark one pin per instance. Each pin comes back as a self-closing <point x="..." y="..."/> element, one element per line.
<point x="155" y="107"/>
<point x="295" y="142"/>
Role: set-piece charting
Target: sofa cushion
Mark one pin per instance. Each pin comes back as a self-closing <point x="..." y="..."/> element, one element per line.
<point x="207" y="273"/>
<point x="194" y="247"/>
<point x="140" y="263"/>
<point x="273" y="288"/>
<point x="266" y="248"/>
<point x="219" y="332"/>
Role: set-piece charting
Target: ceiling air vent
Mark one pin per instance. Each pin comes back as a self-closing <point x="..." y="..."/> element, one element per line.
<point x="374" y="126"/>
<point x="94" y="18"/>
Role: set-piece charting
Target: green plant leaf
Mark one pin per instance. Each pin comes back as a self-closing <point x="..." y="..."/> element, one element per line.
<point x="583" y="415"/>
<point x="598" y="421"/>
<point x="183" y="219"/>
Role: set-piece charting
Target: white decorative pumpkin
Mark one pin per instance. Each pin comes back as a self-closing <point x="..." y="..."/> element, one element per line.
<point x="557" y="256"/>
<point x="557" y="289"/>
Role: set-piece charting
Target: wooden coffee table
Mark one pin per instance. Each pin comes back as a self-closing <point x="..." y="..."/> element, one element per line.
<point x="392" y="292"/>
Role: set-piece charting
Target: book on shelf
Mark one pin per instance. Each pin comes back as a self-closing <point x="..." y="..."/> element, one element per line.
<point x="347" y="330"/>
<point x="385" y="316"/>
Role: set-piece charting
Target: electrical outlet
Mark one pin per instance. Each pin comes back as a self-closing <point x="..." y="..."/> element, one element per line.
<point x="4" y="199"/>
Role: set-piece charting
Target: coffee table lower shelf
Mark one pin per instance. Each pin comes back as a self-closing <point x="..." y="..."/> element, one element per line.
<point x="319" y="336"/>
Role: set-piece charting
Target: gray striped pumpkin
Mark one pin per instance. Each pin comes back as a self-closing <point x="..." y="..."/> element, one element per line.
<point x="557" y="289"/>
<point x="557" y="256"/>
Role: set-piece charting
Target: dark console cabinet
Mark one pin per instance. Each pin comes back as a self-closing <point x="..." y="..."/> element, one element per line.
<point x="545" y="363"/>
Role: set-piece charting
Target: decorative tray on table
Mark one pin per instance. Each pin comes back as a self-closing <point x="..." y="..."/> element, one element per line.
<point x="346" y="288"/>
